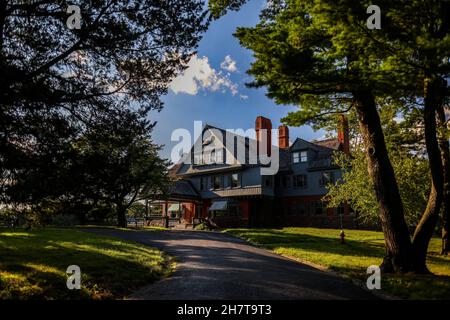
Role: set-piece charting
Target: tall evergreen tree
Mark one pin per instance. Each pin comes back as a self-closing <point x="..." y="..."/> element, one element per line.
<point x="320" y="55"/>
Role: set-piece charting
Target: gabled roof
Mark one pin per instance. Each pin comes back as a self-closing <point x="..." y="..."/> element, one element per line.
<point x="322" y="159"/>
<point x="183" y="189"/>
<point x="328" y="143"/>
<point x="172" y="172"/>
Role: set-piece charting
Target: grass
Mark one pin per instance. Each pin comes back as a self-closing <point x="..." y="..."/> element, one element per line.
<point x="33" y="264"/>
<point x="361" y="249"/>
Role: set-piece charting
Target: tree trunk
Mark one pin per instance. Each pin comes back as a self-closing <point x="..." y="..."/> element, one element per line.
<point x="396" y="234"/>
<point x="445" y="155"/>
<point x="121" y="215"/>
<point x="424" y="231"/>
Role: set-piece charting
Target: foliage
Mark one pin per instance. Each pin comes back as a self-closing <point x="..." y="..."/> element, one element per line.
<point x="136" y="210"/>
<point x="56" y="82"/>
<point x="119" y="164"/>
<point x="319" y="55"/>
<point x="356" y="187"/>
<point x="11" y="217"/>
<point x="111" y="268"/>
<point x="205" y="226"/>
<point x="406" y="151"/>
<point x="65" y="220"/>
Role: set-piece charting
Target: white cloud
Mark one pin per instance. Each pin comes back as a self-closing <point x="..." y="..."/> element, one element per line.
<point x="243" y="96"/>
<point x="399" y="119"/>
<point x="200" y="75"/>
<point x="228" y="64"/>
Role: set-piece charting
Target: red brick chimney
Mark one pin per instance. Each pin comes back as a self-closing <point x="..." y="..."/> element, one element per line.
<point x="343" y="136"/>
<point x="283" y="137"/>
<point x="261" y="124"/>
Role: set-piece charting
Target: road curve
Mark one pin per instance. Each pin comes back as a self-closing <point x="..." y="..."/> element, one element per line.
<point x="212" y="265"/>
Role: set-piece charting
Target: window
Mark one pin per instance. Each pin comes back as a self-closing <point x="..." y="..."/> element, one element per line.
<point x="277" y="181"/>
<point x="202" y="183"/>
<point x="317" y="207"/>
<point x="300" y="181"/>
<point x="219" y="157"/>
<point x="339" y="210"/>
<point x="301" y="210"/>
<point x="285" y="181"/>
<point x="198" y="158"/>
<point x="233" y="210"/>
<point x="301" y="156"/>
<point x="217" y="182"/>
<point x="206" y="159"/>
<point x="234" y="181"/>
<point x="304" y="156"/>
<point x="326" y="178"/>
<point x="268" y="181"/>
<point x="213" y="156"/>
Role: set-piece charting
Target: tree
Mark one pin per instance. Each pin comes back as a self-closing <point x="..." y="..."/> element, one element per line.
<point x="445" y="154"/>
<point x="297" y="59"/>
<point x="320" y="54"/>
<point x="126" y="53"/>
<point x="119" y="164"/>
<point x="410" y="166"/>
<point x="422" y="49"/>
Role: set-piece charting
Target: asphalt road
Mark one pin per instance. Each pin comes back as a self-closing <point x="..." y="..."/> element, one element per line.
<point x="214" y="265"/>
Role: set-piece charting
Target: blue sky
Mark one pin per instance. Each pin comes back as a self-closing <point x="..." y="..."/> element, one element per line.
<point x="213" y="90"/>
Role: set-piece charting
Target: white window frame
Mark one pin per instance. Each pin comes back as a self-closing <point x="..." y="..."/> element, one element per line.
<point x="303" y="156"/>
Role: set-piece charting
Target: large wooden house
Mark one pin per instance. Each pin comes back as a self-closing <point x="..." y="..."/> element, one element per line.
<point x="215" y="182"/>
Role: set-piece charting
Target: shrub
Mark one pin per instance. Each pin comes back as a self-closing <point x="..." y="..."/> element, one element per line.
<point x="65" y="220"/>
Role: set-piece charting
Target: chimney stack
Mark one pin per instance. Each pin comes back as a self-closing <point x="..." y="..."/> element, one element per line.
<point x="266" y="138"/>
<point x="283" y="137"/>
<point x="343" y="134"/>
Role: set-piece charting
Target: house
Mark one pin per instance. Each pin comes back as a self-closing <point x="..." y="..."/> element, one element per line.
<point x="218" y="180"/>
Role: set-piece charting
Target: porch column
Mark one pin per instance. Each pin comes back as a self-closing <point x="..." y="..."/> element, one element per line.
<point x="166" y="215"/>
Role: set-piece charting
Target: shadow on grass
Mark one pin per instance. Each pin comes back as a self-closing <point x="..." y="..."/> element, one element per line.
<point x="35" y="268"/>
<point x="273" y="239"/>
<point x="349" y="259"/>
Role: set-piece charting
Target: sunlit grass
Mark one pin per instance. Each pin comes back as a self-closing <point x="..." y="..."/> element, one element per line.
<point x="361" y="249"/>
<point x="33" y="264"/>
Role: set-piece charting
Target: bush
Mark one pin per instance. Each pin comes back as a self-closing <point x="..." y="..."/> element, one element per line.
<point x="205" y="225"/>
<point x="8" y="217"/>
<point x="66" y="220"/>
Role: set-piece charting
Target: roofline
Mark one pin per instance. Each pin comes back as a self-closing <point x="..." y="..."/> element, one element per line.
<point x="312" y="143"/>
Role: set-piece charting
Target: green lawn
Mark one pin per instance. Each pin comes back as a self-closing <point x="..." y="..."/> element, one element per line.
<point x="33" y="264"/>
<point x="362" y="249"/>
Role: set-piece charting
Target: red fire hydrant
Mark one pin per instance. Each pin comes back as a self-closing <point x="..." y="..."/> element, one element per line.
<point x="342" y="236"/>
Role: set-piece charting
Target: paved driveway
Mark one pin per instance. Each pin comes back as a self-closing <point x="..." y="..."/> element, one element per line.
<point x="214" y="265"/>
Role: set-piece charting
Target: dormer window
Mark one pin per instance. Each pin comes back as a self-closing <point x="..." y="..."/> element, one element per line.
<point x="198" y="158"/>
<point x="301" y="156"/>
<point x="326" y="178"/>
<point x="304" y="156"/>
<point x="214" y="156"/>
